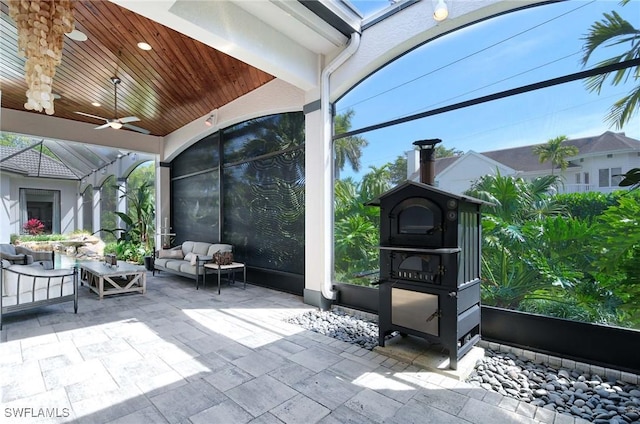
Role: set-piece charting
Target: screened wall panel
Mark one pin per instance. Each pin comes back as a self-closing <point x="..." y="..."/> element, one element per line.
<point x="260" y="196"/>
<point x="264" y="211"/>
<point x="108" y="206"/>
<point x="196" y="207"/>
<point x="259" y="137"/>
<point x="201" y="156"/>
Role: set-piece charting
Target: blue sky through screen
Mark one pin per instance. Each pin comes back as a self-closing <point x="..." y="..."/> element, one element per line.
<point x="505" y="52"/>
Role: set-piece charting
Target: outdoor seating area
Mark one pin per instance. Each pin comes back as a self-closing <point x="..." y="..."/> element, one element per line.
<point x="387" y="237"/>
<point x="23" y="255"/>
<point x="25" y="287"/>
<point x="170" y="356"/>
<point x="188" y="259"/>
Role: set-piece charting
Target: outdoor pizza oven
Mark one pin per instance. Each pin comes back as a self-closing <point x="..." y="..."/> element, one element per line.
<point x="430" y="262"/>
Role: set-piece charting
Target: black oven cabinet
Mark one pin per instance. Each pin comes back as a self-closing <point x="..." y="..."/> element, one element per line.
<point x="430" y="249"/>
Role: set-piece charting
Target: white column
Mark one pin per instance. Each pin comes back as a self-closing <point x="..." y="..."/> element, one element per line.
<point x="7" y="216"/>
<point x="163" y="200"/>
<point x="79" y="209"/>
<point x="121" y="202"/>
<point x="95" y="205"/>
<point x="318" y="223"/>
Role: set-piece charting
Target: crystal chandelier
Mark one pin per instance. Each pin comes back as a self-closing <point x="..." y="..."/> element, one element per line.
<point x="41" y="27"/>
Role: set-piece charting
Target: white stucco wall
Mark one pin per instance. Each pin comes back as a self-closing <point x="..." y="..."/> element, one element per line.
<point x="462" y="173"/>
<point x="275" y="96"/>
<point x="10" y="186"/>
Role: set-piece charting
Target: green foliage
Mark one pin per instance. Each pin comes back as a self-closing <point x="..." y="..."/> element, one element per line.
<point x="398" y="170"/>
<point x="22" y="142"/>
<point x="39" y="237"/>
<point x="555" y="152"/>
<point x="631" y="179"/>
<point x="558" y="308"/>
<point x="347" y="149"/>
<point x="587" y="206"/>
<point x="443" y="152"/>
<point x="516" y="200"/>
<point x="108" y="204"/>
<point x="618" y="242"/>
<point x="571" y="256"/>
<point x="136" y="240"/>
<point x="126" y="251"/>
<point x="521" y="233"/>
<point x="356" y="233"/>
<point x="613" y="30"/>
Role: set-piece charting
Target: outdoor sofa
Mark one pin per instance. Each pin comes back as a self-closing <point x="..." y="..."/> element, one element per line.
<point x="17" y="254"/>
<point x="24" y="287"/>
<point x="188" y="259"/>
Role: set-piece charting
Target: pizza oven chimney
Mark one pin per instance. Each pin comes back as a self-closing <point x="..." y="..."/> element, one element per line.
<point x="427" y="159"/>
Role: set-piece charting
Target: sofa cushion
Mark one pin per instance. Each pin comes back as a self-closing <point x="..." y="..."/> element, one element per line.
<point x="197" y="247"/>
<point x="219" y="247"/>
<point x="34" y="278"/>
<point x="170" y="254"/>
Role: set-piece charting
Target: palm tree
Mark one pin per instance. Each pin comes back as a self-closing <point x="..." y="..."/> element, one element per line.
<point x="555" y="152"/>
<point x="611" y="31"/>
<point x="347" y="149"/>
<point x="376" y="182"/>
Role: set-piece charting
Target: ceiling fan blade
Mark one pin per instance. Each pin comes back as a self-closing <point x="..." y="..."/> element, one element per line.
<point x="91" y="116"/>
<point x="103" y="126"/>
<point x="127" y="119"/>
<point x="138" y="129"/>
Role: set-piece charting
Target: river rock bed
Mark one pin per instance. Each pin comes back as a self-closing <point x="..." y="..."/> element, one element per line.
<point x="341" y="326"/>
<point x="592" y="397"/>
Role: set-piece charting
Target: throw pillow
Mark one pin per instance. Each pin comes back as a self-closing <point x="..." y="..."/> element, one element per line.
<point x="190" y="257"/>
<point x="223" y="258"/>
<point x="170" y="254"/>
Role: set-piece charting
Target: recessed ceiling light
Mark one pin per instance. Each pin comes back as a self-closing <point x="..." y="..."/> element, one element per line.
<point x="96" y="104"/>
<point x="144" y="46"/>
<point x="77" y="35"/>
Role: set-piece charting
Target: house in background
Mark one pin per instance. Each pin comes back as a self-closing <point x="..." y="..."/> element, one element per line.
<point x="62" y="187"/>
<point x="597" y="166"/>
<point x="37" y="186"/>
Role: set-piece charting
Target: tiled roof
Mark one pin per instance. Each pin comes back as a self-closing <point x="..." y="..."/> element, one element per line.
<point x="523" y="158"/>
<point x="30" y="163"/>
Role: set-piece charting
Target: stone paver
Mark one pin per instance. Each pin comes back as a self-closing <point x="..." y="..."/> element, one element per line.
<point x="177" y="355"/>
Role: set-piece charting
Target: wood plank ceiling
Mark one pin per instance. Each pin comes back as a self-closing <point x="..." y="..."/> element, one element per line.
<point x="179" y="80"/>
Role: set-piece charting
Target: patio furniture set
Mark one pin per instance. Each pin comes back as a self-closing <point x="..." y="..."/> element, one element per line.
<point x="28" y="279"/>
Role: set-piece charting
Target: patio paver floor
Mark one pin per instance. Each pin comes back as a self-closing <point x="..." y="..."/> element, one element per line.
<point x="178" y="355"/>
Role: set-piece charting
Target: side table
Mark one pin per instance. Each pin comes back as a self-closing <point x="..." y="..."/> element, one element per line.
<point x="232" y="268"/>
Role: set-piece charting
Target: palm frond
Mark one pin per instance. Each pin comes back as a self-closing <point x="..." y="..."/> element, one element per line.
<point x="623" y="109"/>
<point x="606" y="30"/>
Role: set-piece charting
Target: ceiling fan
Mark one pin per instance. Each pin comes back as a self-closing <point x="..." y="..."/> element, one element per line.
<point x="117" y="123"/>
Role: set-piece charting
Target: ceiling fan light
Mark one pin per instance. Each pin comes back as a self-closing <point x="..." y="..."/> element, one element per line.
<point x="115" y="125"/>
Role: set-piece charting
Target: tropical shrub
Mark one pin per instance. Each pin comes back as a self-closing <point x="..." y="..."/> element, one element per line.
<point x="617" y="240"/>
<point x="33" y="226"/>
<point x="587" y="206"/>
<point x="356" y="234"/>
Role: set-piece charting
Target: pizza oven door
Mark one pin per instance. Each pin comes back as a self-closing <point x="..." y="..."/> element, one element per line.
<point x="416" y="222"/>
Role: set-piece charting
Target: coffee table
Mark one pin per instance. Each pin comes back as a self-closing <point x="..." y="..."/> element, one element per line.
<point x="232" y="268"/>
<point x="123" y="278"/>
